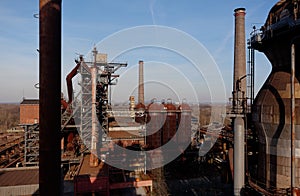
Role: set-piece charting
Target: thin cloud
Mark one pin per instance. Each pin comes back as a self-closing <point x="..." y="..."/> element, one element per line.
<point x="151" y="7"/>
<point x="224" y="44"/>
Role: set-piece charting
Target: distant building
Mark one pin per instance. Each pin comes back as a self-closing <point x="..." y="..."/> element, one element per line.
<point x="29" y="111"/>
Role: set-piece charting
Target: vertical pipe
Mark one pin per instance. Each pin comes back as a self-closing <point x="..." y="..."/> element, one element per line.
<point x="50" y="182"/>
<point x="93" y="156"/>
<point x="252" y="75"/>
<point x="293" y="168"/>
<point x="238" y="156"/>
<point x="249" y="79"/>
<point x="62" y="145"/>
<point x="26" y="144"/>
<point x="239" y="49"/>
<point x="141" y="83"/>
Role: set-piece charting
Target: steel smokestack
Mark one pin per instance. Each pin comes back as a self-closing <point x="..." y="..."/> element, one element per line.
<point x="239" y="49"/>
<point x="141" y="83"/>
<point x="50" y="182"/>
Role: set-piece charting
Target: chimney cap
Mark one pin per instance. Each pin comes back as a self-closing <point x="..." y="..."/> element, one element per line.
<point x="141" y="61"/>
<point x="240" y="9"/>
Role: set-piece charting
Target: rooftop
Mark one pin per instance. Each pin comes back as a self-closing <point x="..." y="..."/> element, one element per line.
<point x="19" y="176"/>
<point x="30" y="101"/>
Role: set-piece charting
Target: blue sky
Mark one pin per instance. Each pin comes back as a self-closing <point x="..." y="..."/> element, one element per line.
<point x="86" y="23"/>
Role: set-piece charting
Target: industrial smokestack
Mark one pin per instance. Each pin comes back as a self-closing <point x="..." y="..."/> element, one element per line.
<point x="50" y="182"/>
<point x="141" y="83"/>
<point x="239" y="88"/>
<point x="239" y="50"/>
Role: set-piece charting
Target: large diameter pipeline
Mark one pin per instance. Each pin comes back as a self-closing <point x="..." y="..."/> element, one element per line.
<point x="50" y="182"/>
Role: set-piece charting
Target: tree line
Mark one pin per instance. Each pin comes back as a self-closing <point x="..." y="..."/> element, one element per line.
<point x="9" y="116"/>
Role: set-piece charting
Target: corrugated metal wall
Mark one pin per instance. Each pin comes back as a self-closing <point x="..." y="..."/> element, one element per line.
<point x="19" y="190"/>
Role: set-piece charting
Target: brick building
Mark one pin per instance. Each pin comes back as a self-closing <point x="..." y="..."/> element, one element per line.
<point x="29" y="111"/>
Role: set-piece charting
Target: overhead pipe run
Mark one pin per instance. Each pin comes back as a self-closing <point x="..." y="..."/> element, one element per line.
<point x="50" y="179"/>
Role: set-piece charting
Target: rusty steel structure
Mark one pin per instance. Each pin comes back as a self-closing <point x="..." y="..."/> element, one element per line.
<point x="50" y="182"/>
<point x="164" y="120"/>
<point x="275" y="109"/>
<point x="11" y="149"/>
<point x="31" y="147"/>
<point x="184" y="124"/>
<point x="170" y="125"/>
<point x="156" y="116"/>
<point x="90" y="107"/>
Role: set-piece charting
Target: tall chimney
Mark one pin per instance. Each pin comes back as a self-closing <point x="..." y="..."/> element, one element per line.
<point x="239" y="49"/>
<point x="141" y="83"/>
<point x="239" y="87"/>
<point x="50" y="182"/>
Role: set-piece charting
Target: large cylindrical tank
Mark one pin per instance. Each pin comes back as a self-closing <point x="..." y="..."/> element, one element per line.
<point x="156" y="116"/>
<point x="272" y="106"/>
<point x="184" y="130"/>
<point x="170" y="125"/>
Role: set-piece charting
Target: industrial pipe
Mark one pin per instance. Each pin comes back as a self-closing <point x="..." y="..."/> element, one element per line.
<point x="50" y="182"/>
<point x="69" y="82"/>
<point x="94" y="140"/>
<point x="293" y="166"/>
<point x="93" y="156"/>
<point x="239" y="156"/>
